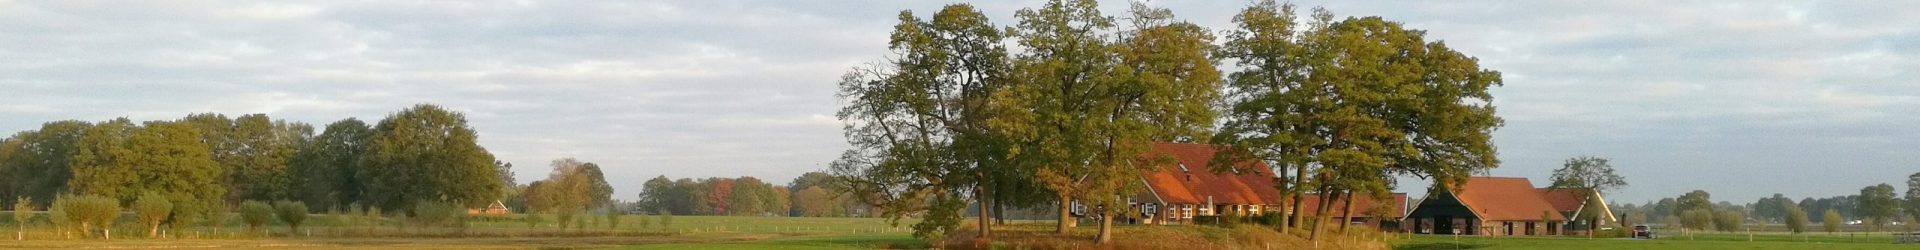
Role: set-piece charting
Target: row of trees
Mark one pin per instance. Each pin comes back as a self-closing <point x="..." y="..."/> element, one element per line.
<point x="422" y="153"/>
<point x="1876" y="206"/>
<point x="809" y="195"/>
<point x="1339" y="107"/>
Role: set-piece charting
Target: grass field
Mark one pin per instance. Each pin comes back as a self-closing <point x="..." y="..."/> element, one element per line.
<point x="728" y="232"/>
<point x="501" y="232"/>
<point x="1698" y="241"/>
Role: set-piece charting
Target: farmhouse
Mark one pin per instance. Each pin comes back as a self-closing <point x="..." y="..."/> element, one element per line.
<point x="1569" y="202"/>
<point x="1487" y="206"/>
<point x="497" y="208"/>
<point x="1183" y="188"/>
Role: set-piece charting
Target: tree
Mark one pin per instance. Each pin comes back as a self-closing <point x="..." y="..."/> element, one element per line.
<point x="746" y="198"/>
<point x="426" y="153"/>
<point x="816" y="202"/>
<point x="656" y="194"/>
<point x="569" y="190"/>
<point x="1878" y="205"/>
<point x="1590" y="174"/>
<point x="255" y="214"/>
<point x="1090" y="105"/>
<point x="1728" y="220"/>
<point x="152" y="209"/>
<point x="292" y="212"/>
<point x="1830" y="221"/>
<point x="1697" y="219"/>
<point x="38" y="164"/>
<point x="1696" y="200"/>
<point x="263" y="148"/>
<point x="103" y="163"/>
<point x="920" y="122"/>
<point x="22" y="210"/>
<point x="89" y="211"/>
<point x="1346" y="105"/>
<point x="599" y="192"/>
<point x="1796" y="220"/>
<point x="327" y="165"/>
<point x="1772" y="208"/>
<point x="718" y="196"/>
<point x="1912" y="205"/>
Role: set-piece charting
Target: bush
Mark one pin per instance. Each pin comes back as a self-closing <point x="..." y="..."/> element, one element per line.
<point x="152" y="209"/>
<point x="186" y="213"/>
<point x="534" y="220"/>
<point x="1271" y="219"/>
<point x="439" y="213"/>
<point x="666" y="220"/>
<point x="215" y="214"/>
<point x="57" y="214"/>
<point x="613" y="219"/>
<point x="1613" y="233"/>
<point x="643" y="220"/>
<point x="255" y="214"/>
<point x="292" y="212"/>
<point x="22" y="210"/>
<point x="89" y="211"/>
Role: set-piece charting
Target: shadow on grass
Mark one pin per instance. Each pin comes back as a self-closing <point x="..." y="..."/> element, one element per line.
<point x="1439" y="246"/>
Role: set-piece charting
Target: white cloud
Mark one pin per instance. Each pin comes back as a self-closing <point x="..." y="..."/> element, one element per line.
<point x="709" y="88"/>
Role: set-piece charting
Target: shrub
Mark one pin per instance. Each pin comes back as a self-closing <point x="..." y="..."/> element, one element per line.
<point x="613" y="219"/>
<point x="292" y="212"/>
<point x="1230" y="219"/>
<point x="1613" y="233"/>
<point x="666" y="220"/>
<point x="534" y="220"/>
<point x="57" y="214"/>
<point x="643" y="220"/>
<point x="255" y="214"/>
<point x="439" y="213"/>
<point x="90" y="211"/>
<point x="1727" y="221"/>
<point x="215" y="215"/>
<point x="1271" y="219"/>
<point x="152" y="209"/>
<point x="187" y="213"/>
<point x="353" y="214"/>
<point x="22" y="210"/>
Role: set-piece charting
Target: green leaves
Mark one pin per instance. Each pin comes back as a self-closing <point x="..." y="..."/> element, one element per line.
<point x="426" y="153"/>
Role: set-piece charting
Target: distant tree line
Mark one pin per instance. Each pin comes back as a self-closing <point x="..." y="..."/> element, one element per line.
<point x="1876" y="207"/>
<point x="810" y="195"/>
<point x="209" y="161"/>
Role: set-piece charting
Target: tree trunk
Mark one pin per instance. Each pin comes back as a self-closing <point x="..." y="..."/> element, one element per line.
<point x="999" y="212"/>
<point x="1346" y="214"/>
<point x="1066" y="216"/>
<point x="153" y="231"/>
<point x="1106" y="230"/>
<point x="1319" y="215"/>
<point x="1299" y="179"/>
<point x="986" y="228"/>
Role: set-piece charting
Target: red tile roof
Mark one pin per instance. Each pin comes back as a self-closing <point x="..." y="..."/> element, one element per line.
<point x="1173" y="186"/>
<point x="1563" y="199"/>
<point x="1506" y="199"/>
<point x="1361" y="203"/>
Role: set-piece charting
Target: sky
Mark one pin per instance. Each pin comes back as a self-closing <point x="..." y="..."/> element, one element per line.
<point x="1742" y="99"/>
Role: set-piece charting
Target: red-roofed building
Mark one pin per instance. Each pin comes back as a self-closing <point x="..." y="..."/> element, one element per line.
<point x="1184" y="187"/>
<point x="1487" y="206"/>
<point x="1569" y="203"/>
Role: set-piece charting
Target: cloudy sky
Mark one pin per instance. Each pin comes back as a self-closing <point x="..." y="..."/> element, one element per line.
<point x="1742" y="99"/>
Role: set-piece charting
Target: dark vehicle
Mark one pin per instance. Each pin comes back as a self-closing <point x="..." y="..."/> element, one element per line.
<point x="1642" y="231"/>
